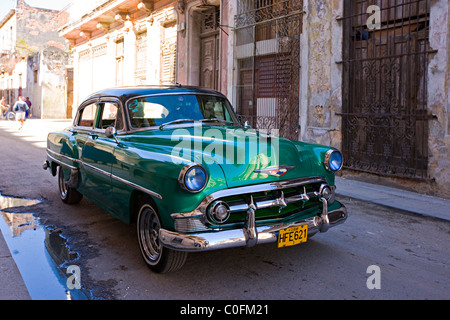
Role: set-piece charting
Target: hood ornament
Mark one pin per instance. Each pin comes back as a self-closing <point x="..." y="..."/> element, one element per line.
<point x="276" y="171"/>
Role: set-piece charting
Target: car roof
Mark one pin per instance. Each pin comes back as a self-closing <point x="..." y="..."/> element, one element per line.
<point x="125" y="93"/>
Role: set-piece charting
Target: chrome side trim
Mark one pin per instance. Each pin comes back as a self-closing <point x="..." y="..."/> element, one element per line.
<point x="131" y="184"/>
<point x="108" y="174"/>
<point x="60" y="162"/>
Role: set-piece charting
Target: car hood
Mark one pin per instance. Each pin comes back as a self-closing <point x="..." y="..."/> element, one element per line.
<point x="244" y="155"/>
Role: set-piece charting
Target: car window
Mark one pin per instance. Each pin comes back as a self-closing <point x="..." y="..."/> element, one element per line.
<point x="154" y="110"/>
<point x="87" y="116"/>
<point x="157" y="110"/>
<point x="216" y="109"/>
<point x="110" y="116"/>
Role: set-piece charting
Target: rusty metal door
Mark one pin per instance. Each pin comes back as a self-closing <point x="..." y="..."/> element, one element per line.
<point x="267" y="57"/>
<point x="385" y="117"/>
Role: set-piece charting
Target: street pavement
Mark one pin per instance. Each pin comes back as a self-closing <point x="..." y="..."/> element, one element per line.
<point x="12" y="286"/>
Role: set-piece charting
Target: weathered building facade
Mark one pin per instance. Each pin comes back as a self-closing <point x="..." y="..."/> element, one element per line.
<point x="121" y="43"/>
<point x="26" y="31"/>
<point x="49" y="84"/>
<point x="370" y="77"/>
<point x="376" y="86"/>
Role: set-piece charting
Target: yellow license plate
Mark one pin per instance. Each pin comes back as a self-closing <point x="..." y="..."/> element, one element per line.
<point x="292" y="236"/>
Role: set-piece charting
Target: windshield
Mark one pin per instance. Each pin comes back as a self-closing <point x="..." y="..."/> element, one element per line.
<point x="154" y="111"/>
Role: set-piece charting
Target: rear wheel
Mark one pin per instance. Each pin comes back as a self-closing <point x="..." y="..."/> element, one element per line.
<point x="11" y="116"/>
<point x="68" y="195"/>
<point x="157" y="257"/>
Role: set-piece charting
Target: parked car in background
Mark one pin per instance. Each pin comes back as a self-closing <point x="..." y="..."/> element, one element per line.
<point x="177" y="161"/>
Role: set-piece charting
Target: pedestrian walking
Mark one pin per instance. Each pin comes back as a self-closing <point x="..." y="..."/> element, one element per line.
<point x="20" y="108"/>
<point x="3" y="106"/>
<point x="29" y="104"/>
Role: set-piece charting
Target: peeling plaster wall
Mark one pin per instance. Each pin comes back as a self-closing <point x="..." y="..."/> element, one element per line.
<point x="48" y="90"/>
<point x="26" y="33"/>
<point x="321" y="88"/>
<point x="438" y="98"/>
<point x="321" y="75"/>
<point x="38" y="27"/>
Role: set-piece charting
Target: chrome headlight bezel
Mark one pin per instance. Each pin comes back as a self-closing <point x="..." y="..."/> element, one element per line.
<point x="186" y="174"/>
<point x="330" y="163"/>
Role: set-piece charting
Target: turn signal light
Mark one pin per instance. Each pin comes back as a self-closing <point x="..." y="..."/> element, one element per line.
<point x="219" y="212"/>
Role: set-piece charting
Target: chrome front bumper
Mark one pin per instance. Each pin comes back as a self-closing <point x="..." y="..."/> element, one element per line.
<point x="250" y="235"/>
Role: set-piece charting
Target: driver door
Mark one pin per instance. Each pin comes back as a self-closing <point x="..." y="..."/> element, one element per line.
<point x="97" y="150"/>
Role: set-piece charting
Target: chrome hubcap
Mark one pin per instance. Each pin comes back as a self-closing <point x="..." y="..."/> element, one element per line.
<point x="62" y="183"/>
<point x="149" y="226"/>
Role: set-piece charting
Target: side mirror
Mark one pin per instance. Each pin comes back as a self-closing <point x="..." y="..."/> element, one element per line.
<point x="111" y="132"/>
<point x="243" y="123"/>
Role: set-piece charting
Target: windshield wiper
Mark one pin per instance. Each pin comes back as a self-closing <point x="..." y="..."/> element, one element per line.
<point x="192" y="120"/>
<point x="216" y="120"/>
<point x="175" y="122"/>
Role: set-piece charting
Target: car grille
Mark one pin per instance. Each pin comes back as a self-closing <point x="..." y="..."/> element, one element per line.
<point x="279" y="201"/>
<point x="273" y="204"/>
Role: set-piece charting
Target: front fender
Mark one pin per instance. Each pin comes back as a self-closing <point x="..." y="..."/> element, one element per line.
<point x="316" y="156"/>
<point x="158" y="172"/>
<point x="62" y="150"/>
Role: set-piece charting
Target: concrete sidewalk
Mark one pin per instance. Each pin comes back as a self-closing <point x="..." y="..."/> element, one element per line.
<point x="394" y="198"/>
<point x="12" y="286"/>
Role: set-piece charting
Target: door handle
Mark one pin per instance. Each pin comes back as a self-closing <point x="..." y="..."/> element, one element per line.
<point x="93" y="135"/>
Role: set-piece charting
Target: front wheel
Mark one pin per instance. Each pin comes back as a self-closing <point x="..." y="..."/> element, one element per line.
<point x="157" y="257"/>
<point x="68" y="195"/>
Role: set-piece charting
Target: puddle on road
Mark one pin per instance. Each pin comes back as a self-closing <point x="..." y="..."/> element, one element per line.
<point x="40" y="253"/>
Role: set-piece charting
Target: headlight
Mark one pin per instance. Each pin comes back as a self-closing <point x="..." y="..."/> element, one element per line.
<point x="193" y="178"/>
<point x="333" y="160"/>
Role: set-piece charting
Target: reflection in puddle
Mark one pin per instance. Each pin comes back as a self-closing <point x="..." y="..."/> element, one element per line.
<point x="40" y="253"/>
<point x="18" y="223"/>
<point x="10" y="202"/>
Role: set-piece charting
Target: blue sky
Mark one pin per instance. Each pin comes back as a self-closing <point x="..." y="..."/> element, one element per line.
<point x="6" y="5"/>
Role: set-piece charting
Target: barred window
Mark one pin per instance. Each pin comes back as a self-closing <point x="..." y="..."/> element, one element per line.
<point x="140" y="75"/>
<point x="267" y="54"/>
<point x="169" y="53"/>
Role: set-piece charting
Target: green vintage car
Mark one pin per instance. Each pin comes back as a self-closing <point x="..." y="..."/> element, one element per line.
<point x="177" y="161"/>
